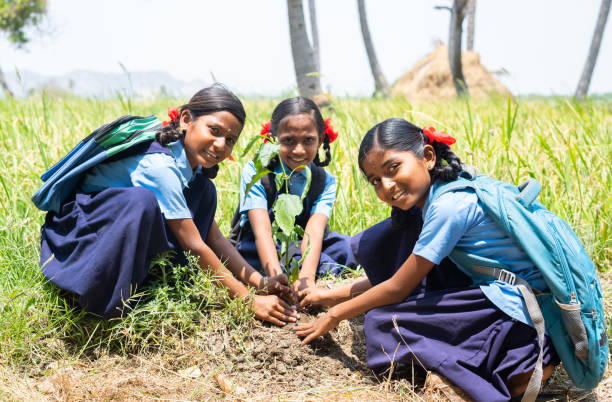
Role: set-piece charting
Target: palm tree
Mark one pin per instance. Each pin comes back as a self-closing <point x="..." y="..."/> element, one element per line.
<point x="314" y="30"/>
<point x="589" y="66"/>
<point x="471" y="14"/>
<point x="306" y="74"/>
<point x="379" y="79"/>
<point x="454" y="46"/>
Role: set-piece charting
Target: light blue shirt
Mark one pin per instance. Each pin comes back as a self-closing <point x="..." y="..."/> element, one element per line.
<point x="256" y="199"/>
<point x="456" y="219"/>
<point x="163" y="174"/>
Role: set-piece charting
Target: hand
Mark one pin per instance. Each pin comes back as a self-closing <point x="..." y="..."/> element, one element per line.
<point x="303" y="283"/>
<point x="277" y="285"/>
<point x="314" y="329"/>
<point x="273" y="309"/>
<point x="314" y="296"/>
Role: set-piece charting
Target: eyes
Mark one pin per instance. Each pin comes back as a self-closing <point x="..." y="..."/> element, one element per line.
<point x="216" y="131"/>
<point x="288" y="140"/>
<point x="389" y="172"/>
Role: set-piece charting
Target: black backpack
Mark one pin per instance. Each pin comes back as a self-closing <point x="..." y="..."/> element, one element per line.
<point x="317" y="185"/>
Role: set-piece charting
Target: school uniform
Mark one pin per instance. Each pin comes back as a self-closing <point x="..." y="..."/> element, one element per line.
<point x="476" y="333"/>
<point x="101" y="243"/>
<point x="336" y="253"/>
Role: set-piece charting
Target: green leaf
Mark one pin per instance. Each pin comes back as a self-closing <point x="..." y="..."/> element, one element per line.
<point x="307" y="186"/>
<point x="266" y="151"/>
<point x="286" y="208"/>
<point x="249" y="145"/>
<point x="259" y="175"/>
<point x="294" y="274"/>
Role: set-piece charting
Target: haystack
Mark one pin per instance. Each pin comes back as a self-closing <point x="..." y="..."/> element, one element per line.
<point x="430" y="78"/>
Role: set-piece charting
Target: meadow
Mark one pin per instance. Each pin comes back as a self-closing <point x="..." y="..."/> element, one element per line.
<point x="565" y="145"/>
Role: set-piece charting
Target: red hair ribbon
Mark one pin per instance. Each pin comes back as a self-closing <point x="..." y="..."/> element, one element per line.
<point x="439" y="136"/>
<point x="173" y="114"/>
<point x="265" y="130"/>
<point x="329" y="131"/>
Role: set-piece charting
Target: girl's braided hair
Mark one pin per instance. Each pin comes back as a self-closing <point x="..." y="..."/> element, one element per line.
<point x="215" y="98"/>
<point x="295" y="106"/>
<point x="401" y="135"/>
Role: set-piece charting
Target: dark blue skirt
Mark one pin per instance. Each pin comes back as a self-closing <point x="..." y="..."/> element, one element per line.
<point x="445" y="325"/>
<point x="336" y="254"/>
<point x="100" y="245"/>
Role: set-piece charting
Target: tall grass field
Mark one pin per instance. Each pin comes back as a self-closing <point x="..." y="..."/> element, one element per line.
<point x="565" y="145"/>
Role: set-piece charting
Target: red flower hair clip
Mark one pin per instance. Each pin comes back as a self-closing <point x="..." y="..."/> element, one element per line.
<point x="329" y="131"/>
<point x="173" y="114"/>
<point x="265" y="130"/>
<point x="439" y="136"/>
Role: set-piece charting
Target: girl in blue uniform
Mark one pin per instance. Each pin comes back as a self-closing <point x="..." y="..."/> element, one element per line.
<point x="301" y="131"/>
<point x="477" y="334"/>
<point x="149" y="199"/>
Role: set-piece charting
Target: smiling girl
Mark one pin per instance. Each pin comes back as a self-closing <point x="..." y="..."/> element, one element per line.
<point x="301" y="131"/>
<point x="419" y="304"/>
<point x="155" y="197"/>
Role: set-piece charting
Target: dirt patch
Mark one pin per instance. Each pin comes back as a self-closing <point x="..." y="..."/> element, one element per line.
<point x="267" y="363"/>
<point x="430" y="78"/>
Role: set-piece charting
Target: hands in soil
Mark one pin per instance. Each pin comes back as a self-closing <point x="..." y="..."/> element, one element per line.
<point x="274" y="309"/>
<point x="314" y="329"/>
<point x="314" y="296"/>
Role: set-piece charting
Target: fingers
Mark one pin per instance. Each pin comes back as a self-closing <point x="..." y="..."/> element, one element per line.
<point x="308" y="339"/>
<point x="275" y="321"/>
<point x="282" y="279"/>
<point x="287" y="309"/>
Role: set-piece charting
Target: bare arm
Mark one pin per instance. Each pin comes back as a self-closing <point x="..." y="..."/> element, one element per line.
<point x="391" y="291"/>
<point x="316" y="296"/>
<point x="268" y="308"/>
<point x="262" y="228"/>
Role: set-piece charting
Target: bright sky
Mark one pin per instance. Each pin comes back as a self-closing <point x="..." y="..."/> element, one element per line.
<point x="245" y="44"/>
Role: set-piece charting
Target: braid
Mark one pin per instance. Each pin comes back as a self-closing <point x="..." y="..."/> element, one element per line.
<point x="169" y="133"/>
<point x="448" y="165"/>
<point x="327" y="150"/>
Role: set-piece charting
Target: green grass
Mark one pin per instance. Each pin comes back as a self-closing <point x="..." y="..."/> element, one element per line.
<point x="565" y="145"/>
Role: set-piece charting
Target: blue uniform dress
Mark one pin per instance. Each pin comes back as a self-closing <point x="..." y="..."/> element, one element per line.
<point x="336" y="253"/>
<point x="477" y="334"/>
<point x="101" y="243"/>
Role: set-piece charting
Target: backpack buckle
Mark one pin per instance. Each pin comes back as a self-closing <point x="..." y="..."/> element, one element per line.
<point x="506" y="276"/>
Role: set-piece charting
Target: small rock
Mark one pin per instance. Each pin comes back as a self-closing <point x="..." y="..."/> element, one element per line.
<point x="191" y="372"/>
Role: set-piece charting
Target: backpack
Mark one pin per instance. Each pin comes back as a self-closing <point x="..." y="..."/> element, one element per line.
<point x="317" y="185"/>
<point x="572" y="312"/>
<point x="103" y="143"/>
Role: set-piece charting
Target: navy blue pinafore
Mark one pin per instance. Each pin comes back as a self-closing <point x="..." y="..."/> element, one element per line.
<point x="100" y="245"/>
<point x="446" y="325"/>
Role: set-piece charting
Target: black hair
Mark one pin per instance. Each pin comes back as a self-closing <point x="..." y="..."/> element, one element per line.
<point x="401" y="135"/>
<point x="215" y="98"/>
<point x="295" y="106"/>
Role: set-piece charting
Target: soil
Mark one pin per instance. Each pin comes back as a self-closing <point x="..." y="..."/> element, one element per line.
<point x="268" y="364"/>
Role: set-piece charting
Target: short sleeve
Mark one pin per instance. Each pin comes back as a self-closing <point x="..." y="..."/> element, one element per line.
<point x="158" y="172"/>
<point x="256" y="198"/>
<point x="325" y="201"/>
<point x="446" y="221"/>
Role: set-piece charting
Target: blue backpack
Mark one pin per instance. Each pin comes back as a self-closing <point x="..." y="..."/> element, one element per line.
<point x="572" y="312"/>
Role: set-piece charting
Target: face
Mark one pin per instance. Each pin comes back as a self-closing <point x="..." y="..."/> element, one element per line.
<point x="299" y="140"/>
<point x="400" y="178"/>
<point x="210" y="138"/>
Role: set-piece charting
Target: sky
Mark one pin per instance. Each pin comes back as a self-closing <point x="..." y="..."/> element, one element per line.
<point x="543" y="44"/>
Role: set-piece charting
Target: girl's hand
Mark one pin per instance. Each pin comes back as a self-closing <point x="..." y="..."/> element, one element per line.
<point x="314" y="296"/>
<point x="277" y="285"/>
<point x="273" y="309"/>
<point x="303" y="283"/>
<point x="314" y="329"/>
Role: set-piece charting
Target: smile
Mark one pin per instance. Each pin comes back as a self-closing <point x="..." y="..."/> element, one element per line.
<point x="209" y="155"/>
<point x="398" y="196"/>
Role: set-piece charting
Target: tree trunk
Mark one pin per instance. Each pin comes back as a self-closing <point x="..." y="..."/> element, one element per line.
<point x="309" y="84"/>
<point x="471" y="14"/>
<point x="454" y="47"/>
<point x="587" y="72"/>
<point x="379" y="79"/>
<point x="314" y="30"/>
<point x="4" y="85"/>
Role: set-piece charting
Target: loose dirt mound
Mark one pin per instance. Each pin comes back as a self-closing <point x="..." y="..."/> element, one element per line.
<point x="430" y="78"/>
